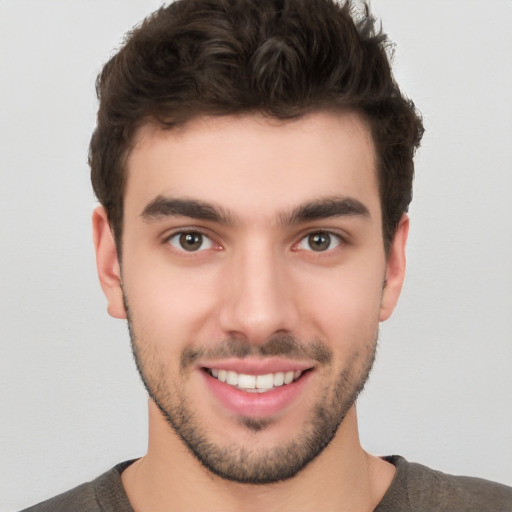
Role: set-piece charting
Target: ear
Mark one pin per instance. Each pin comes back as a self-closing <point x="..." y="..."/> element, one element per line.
<point x="107" y="263"/>
<point x="395" y="270"/>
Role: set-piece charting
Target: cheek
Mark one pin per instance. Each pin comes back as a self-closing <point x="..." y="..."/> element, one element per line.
<point x="168" y="304"/>
<point x="345" y="305"/>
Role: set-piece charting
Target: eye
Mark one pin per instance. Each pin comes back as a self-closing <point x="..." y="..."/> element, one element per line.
<point x="320" y="241"/>
<point x="191" y="241"/>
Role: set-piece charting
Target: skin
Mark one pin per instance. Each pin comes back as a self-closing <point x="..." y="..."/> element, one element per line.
<point x="258" y="278"/>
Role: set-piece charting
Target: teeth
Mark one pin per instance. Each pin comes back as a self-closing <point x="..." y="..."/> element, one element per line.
<point x="263" y="381"/>
<point x="232" y="378"/>
<point x="255" y="383"/>
<point x="246" y="381"/>
<point x="278" y="379"/>
<point x="288" y="377"/>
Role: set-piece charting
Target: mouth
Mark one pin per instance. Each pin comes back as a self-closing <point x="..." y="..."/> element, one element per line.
<point x="257" y="388"/>
<point x="255" y="383"/>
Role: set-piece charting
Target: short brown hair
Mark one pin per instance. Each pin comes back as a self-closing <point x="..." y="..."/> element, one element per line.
<point x="283" y="58"/>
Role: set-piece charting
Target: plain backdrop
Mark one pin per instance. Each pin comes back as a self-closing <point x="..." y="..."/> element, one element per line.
<point x="71" y="405"/>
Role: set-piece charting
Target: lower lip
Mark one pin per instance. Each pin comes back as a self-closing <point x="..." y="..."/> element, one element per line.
<point x="256" y="405"/>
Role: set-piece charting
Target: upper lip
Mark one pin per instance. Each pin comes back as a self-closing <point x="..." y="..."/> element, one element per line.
<point x="257" y="366"/>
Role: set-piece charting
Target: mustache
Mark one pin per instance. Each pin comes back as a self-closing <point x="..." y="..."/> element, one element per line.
<point x="283" y="345"/>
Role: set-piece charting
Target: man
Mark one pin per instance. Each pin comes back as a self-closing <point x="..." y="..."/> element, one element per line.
<point x="254" y="165"/>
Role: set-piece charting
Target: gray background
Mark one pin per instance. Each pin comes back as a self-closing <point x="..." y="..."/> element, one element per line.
<point x="71" y="403"/>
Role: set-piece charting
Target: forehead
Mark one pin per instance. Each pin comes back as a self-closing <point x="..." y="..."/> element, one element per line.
<point x="252" y="164"/>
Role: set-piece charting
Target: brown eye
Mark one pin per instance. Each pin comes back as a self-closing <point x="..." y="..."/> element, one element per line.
<point x="190" y="241"/>
<point x="320" y="241"/>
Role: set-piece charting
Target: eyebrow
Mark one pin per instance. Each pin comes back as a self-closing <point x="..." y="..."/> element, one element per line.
<point x="163" y="206"/>
<point x="325" y="208"/>
<point x="318" y="209"/>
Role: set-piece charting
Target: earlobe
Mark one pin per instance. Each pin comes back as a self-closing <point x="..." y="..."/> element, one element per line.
<point x="395" y="269"/>
<point x="107" y="263"/>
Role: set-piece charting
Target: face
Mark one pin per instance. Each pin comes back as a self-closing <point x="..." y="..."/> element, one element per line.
<point x="254" y="278"/>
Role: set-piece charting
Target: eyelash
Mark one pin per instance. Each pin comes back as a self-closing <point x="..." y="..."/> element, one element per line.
<point x="333" y="238"/>
<point x="177" y="237"/>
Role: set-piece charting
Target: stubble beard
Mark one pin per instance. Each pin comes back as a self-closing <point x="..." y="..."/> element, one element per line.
<point x="241" y="463"/>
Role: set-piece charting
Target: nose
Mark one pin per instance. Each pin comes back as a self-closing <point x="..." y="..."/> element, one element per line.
<point x="258" y="295"/>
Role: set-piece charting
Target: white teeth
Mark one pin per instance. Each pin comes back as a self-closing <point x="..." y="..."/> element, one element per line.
<point x="232" y="378"/>
<point x="264" y="381"/>
<point x="288" y="377"/>
<point x="247" y="381"/>
<point x="255" y="383"/>
<point x="278" y="379"/>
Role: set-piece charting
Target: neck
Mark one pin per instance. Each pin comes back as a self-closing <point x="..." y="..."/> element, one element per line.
<point x="342" y="478"/>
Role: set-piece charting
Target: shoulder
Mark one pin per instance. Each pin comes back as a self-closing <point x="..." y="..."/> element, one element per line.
<point x="104" y="494"/>
<point x="80" y="498"/>
<point x="423" y="489"/>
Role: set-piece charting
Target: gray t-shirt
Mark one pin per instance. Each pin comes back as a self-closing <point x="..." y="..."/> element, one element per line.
<point x="414" y="488"/>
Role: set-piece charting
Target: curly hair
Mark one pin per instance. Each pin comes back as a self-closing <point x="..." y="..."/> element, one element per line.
<point x="282" y="58"/>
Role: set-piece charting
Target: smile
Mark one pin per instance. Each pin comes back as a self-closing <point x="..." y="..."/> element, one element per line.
<point x="254" y="383"/>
